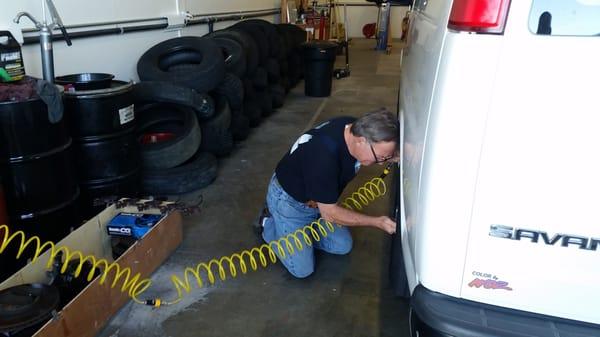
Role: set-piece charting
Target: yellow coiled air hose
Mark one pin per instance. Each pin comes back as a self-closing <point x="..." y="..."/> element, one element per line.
<point x="134" y="286"/>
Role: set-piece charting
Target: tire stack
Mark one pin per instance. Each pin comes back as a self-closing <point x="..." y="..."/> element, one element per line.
<point x="198" y="95"/>
<point x="293" y="64"/>
<point x="173" y="108"/>
<point x="273" y="66"/>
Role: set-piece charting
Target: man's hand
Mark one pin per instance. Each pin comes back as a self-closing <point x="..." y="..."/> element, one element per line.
<point x="346" y="217"/>
<point x="386" y="224"/>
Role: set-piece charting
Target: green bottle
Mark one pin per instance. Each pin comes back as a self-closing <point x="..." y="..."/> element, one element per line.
<point x="11" y="58"/>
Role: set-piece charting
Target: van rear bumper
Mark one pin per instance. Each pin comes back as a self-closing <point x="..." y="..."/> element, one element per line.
<point x="437" y="315"/>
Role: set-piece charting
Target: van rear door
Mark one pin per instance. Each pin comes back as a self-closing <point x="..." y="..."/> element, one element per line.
<point x="535" y="231"/>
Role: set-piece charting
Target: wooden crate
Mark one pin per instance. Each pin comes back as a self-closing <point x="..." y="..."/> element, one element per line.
<point x="89" y="311"/>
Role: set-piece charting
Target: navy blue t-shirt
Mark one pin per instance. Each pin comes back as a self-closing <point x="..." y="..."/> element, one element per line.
<point x="319" y="165"/>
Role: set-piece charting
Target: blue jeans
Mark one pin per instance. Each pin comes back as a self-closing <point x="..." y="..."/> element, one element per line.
<point x="289" y="215"/>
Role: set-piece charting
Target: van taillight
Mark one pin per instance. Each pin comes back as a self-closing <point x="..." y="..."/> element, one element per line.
<point x="480" y="16"/>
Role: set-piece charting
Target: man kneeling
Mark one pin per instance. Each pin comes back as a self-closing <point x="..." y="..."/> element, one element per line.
<point x="311" y="176"/>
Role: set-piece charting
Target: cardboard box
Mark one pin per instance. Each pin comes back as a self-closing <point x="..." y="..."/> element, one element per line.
<point x="89" y="311"/>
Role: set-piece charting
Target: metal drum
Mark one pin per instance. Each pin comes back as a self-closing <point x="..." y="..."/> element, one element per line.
<point x="102" y="124"/>
<point x="39" y="178"/>
<point x="3" y="214"/>
<point x="35" y="161"/>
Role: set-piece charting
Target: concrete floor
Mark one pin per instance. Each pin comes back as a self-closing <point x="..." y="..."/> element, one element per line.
<point x="346" y="296"/>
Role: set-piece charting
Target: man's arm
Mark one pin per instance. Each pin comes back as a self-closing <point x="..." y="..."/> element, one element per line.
<point x="346" y="217"/>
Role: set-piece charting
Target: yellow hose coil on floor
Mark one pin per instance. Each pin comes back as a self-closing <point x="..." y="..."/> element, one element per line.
<point x="263" y="254"/>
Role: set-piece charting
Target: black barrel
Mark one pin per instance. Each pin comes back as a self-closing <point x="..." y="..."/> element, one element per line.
<point x="102" y="123"/>
<point x="3" y="212"/>
<point x="319" y="57"/>
<point x="38" y="175"/>
<point x="7" y="261"/>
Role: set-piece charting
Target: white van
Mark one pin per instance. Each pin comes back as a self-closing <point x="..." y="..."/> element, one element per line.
<point x="499" y="107"/>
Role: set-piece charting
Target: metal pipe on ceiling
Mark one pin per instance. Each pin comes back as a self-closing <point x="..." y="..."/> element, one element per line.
<point x="157" y="23"/>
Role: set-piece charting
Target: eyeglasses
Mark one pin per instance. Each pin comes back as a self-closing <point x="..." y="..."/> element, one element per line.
<point x="377" y="160"/>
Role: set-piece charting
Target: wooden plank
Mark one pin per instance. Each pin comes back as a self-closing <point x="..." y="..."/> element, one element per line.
<point x="92" y="308"/>
<point x="87" y="314"/>
<point x="90" y="239"/>
<point x="284" y="12"/>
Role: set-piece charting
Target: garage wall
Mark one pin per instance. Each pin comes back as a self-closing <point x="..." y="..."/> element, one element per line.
<point x="115" y="54"/>
<point x="358" y="16"/>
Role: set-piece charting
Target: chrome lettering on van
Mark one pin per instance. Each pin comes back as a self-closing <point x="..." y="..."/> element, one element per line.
<point x="535" y="236"/>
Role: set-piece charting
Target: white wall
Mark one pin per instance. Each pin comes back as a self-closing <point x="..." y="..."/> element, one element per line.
<point x="358" y="16"/>
<point x="115" y="54"/>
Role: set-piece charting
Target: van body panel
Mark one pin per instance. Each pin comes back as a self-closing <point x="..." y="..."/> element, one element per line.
<point x="499" y="173"/>
<point x="418" y="80"/>
<point x="451" y="158"/>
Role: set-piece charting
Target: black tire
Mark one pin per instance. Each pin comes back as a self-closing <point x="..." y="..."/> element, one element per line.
<point x="287" y="86"/>
<point x="240" y="125"/>
<point x="273" y="70"/>
<point x="234" y="55"/>
<point x="299" y="36"/>
<point x="275" y="48"/>
<point x="150" y="92"/>
<point x="249" y="92"/>
<point x="247" y="42"/>
<point x="200" y="171"/>
<point x="216" y="137"/>
<point x="233" y="90"/>
<point x="296" y="69"/>
<point x="295" y="36"/>
<point x="284" y="67"/>
<point x="286" y="39"/>
<point x="265" y="102"/>
<point x="277" y="95"/>
<point x="283" y="42"/>
<point x="253" y="111"/>
<point x="260" y="80"/>
<point x="164" y="117"/>
<point x="203" y="53"/>
<point x="258" y="36"/>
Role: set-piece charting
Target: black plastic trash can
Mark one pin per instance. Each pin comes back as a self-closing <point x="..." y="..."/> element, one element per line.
<point x="319" y="57"/>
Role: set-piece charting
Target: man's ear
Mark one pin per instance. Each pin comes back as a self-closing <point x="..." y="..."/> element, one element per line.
<point x="361" y="140"/>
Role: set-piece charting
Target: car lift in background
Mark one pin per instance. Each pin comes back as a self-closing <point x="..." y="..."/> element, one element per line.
<point x="384" y="37"/>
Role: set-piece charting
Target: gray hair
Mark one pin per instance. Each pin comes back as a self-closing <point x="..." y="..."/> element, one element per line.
<point x="377" y="126"/>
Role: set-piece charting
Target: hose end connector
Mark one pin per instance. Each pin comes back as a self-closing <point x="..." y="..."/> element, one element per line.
<point x="154" y="302"/>
<point x="387" y="170"/>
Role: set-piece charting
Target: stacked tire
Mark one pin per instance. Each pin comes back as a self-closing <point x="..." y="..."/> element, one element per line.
<point x="273" y="68"/>
<point x="172" y="105"/>
<point x="293" y="62"/>
<point x="199" y="95"/>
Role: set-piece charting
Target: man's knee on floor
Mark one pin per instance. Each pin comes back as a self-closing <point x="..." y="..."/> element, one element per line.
<point x="340" y="243"/>
<point x="343" y="247"/>
<point x="300" y="264"/>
